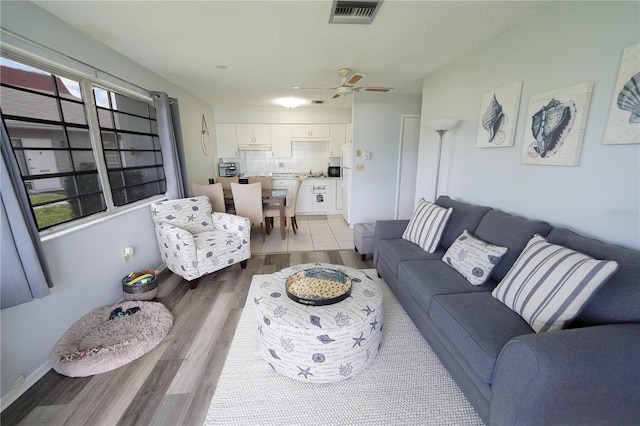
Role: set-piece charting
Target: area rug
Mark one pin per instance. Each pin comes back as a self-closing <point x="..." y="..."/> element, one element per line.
<point x="109" y="337"/>
<point x="406" y="384"/>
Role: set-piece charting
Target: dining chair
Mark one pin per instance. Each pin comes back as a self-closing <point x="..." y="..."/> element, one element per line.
<point x="214" y="193"/>
<point x="247" y="199"/>
<point x="264" y="180"/>
<point x="289" y="210"/>
<point x="226" y="181"/>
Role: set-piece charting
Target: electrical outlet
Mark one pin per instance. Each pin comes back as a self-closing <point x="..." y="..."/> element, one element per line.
<point x="359" y="167"/>
<point x="127" y="253"/>
<point x="18" y="382"/>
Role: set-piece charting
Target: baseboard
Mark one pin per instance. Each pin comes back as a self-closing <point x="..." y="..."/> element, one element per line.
<point x="29" y="381"/>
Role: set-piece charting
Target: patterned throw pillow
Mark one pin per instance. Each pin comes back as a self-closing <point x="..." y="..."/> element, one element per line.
<point x="473" y="258"/>
<point x="427" y="225"/>
<point x="548" y="285"/>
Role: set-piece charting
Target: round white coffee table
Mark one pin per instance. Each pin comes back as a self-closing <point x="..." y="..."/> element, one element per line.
<point x="320" y="344"/>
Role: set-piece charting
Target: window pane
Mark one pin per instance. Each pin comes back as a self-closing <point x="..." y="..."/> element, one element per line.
<point x="25" y="104"/>
<point x="138" y="158"/>
<point x="132" y="123"/>
<point x="73" y="112"/>
<point x="68" y="89"/>
<point x="47" y="135"/>
<point x="101" y="97"/>
<point x="131" y="106"/>
<point x="109" y="140"/>
<point x="21" y="75"/>
<point x="129" y="195"/>
<point x="84" y="160"/>
<point x="79" y="138"/>
<point x="131" y="141"/>
<point x="105" y="119"/>
<point x="116" y="180"/>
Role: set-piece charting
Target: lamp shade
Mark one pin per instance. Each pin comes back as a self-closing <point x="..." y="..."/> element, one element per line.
<point x="442" y="123"/>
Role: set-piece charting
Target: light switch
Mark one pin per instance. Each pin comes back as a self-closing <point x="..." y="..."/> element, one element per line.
<point x="367" y="155"/>
<point x="360" y="167"/>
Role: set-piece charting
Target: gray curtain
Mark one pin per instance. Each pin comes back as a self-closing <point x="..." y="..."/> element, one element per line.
<point x="171" y="144"/>
<point x="24" y="273"/>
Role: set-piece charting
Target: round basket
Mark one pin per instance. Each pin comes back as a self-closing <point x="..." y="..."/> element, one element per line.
<point x="145" y="290"/>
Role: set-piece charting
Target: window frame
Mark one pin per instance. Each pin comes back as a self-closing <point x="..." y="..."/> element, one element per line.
<point x="94" y="130"/>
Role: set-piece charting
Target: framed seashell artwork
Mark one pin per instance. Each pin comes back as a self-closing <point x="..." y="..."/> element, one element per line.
<point x="498" y="116"/>
<point x="623" y="126"/>
<point x="555" y="126"/>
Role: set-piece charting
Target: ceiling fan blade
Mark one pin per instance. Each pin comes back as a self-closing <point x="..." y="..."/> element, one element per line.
<point x="354" y="78"/>
<point x="375" y="89"/>
<point x="336" y="96"/>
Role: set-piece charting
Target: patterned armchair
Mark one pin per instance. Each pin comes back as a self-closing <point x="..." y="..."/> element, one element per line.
<point x="194" y="242"/>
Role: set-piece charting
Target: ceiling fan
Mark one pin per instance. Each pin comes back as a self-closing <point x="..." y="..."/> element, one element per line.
<point x="348" y="79"/>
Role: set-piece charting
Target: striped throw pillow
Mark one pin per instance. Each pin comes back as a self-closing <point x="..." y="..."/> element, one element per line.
<point x="548" y="285"/>
<point x="427" y="225"/>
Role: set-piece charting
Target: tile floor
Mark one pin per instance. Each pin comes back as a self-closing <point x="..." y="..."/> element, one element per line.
<point x="314" y="233"/>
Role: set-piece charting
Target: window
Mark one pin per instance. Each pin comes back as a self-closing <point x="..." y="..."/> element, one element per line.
<point x="67" y="176"/>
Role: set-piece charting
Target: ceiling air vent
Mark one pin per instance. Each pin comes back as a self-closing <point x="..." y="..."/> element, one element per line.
<point x="353" y="12"/>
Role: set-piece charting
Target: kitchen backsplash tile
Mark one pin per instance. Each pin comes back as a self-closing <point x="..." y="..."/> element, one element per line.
<point x="305" y="156"/>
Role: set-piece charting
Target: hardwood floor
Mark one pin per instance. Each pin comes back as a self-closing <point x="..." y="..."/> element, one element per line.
<point x="174" y="383"/>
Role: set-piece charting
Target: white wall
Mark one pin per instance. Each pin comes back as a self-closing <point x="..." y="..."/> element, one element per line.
<point x="87" y="265"/>
<point x="565" y="44"/>
<point x="280" y="115"/>
<point x="376" y="128"/>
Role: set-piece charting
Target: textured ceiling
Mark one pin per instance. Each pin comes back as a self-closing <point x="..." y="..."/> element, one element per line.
<point x="268" y="47"/>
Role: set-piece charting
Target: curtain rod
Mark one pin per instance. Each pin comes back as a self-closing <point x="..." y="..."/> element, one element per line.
<point x="71" y="58"/>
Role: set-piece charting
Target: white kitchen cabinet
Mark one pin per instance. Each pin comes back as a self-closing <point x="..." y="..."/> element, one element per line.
<point x="338" y="138"/>
<point x="311" y="131"/>
<point x="253" y="135"/>
<point x="305" y="198"/>
<point x="281" y="140"/>
<point x="226" y="140"/>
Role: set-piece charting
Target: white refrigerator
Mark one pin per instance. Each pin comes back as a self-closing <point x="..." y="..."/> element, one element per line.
<point x="345" y="181"/>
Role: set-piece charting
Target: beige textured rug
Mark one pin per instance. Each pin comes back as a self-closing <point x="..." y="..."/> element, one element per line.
<point x="405" y="385"/>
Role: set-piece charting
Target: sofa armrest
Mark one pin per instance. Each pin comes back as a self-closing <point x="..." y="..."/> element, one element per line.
<point x="580" y="376"/>
<point x="388" y="229"/>
<point x="177" y="249"/>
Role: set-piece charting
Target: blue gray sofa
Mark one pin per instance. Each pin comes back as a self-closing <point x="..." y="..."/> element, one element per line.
<point x="586" y="374"/>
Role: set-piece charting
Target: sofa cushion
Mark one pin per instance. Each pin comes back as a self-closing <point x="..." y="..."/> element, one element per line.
<point x="464" y="216"/>
<point x="398" y="250"/>
<point x="512" y="232"/>
<point x="617" y="300"/>
<point x="427" y="225"/>
<point x="473" y="258"/>
<point x="476" y="326"/>
<point x="549" y="284"/>
<point x="425" y="279"/>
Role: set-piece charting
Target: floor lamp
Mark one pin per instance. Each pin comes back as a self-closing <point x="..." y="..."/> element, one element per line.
<point x="441" y="126"/>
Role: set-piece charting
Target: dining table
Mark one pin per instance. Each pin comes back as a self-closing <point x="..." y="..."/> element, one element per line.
<point x="269" y="196"/>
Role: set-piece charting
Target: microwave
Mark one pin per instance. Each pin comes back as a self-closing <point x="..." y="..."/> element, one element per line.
<point x="227" y="169"/>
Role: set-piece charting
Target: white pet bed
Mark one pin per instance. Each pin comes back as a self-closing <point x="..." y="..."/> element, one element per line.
<point x="109" y="337"/>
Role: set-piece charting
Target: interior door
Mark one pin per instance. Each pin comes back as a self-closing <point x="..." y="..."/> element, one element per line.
<point x="407" y="166"/>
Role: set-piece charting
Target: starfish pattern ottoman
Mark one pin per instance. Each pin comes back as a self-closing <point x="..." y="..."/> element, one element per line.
<point x="320" y="344"/>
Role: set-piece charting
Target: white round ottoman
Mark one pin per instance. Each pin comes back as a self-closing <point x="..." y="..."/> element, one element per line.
<point x="319" y="344"/>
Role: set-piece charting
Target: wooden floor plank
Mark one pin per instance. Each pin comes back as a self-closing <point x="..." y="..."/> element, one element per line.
<point x="173" y="384"/>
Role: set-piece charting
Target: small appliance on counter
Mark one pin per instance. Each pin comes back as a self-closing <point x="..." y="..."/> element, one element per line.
<point x="228" y="169"/>
<point x="333" y="171"/>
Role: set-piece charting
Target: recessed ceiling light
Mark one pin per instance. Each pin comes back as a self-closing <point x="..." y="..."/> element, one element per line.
<point x="290" y="102"/>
